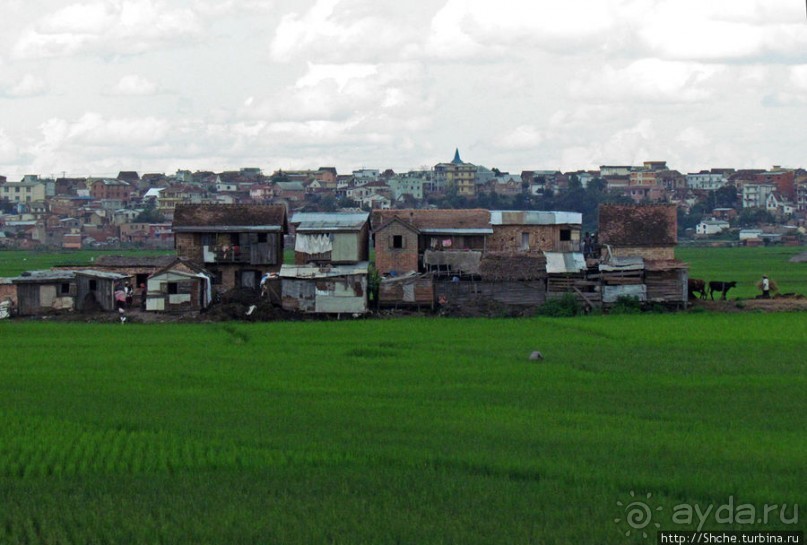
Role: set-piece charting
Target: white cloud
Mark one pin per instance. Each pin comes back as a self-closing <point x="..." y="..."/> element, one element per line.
<point x="340" y="74"/>
<point x="135" y="85"/>
<point x="8" y="149"/>
<point x="28" y="86"/>
<point x="724" y="29"/>
<point x="523" y="137"/>
<point x="798" y="76"/>
<point x="693" y="137"/>
<point x="107" y="26"/>
<point x="651" y="80"/>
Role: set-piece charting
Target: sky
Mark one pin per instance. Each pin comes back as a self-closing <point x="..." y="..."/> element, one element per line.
<point x="93" y="87"/>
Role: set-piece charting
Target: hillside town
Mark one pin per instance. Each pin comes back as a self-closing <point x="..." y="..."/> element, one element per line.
<point x="136" y="210"/>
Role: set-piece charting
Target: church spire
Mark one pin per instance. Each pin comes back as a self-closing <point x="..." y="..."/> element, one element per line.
<point x="457" y="160"/>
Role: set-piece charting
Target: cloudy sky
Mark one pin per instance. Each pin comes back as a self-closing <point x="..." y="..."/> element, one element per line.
<point x="98" y="86"/>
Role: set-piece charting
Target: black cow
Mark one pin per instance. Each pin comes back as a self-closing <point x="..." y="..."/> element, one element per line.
<point x="722" y="287"/>
<point x="696" y="285"/>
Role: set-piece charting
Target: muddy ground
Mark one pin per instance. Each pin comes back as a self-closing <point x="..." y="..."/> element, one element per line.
<point x="236" y="306"/>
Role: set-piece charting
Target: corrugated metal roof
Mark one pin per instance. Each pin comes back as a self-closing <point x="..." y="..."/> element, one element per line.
<point x="564" y="262"/>
<point x="44" y="276"/>
<point x="321" y="221"/>
<point x="102" y="274"/>
<point x="309" y="271"/>
<point x="441" y="231"/>
<point x="623" y="264"/>
<point x="535" y="217"/>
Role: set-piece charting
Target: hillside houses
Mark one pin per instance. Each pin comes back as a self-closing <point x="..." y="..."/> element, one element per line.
<point x="132" y="210"/>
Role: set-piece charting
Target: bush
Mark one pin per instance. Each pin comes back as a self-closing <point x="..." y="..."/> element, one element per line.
<point x="565" y="307"/>
<point x="626" y="304"/>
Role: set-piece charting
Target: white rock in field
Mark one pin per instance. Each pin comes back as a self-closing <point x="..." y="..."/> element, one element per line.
<point x="535" y="356"/>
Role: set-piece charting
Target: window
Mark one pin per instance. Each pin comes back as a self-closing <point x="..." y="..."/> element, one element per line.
<point x="565" y="234"/>
<point x="93" y="285"/>
<point x="525" y="241"/>
<point x="173" y="288"/>
<point x="262" y="237"/>
<point x="65" y="288"/>
<point x="397" y="241"/>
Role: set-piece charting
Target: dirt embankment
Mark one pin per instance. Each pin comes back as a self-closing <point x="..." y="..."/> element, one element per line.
<point x="778" y="303"/>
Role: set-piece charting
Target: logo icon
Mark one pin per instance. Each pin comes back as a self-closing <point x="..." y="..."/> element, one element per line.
<point x="637" y="515"/>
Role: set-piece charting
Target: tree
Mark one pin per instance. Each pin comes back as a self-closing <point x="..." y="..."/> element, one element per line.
<point x="726" y="197"/>
<point x="150" y="214"/>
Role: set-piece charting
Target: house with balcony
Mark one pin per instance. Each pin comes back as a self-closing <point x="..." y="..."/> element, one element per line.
<point x="446" y="242"/>
<point x="238" y="243"/>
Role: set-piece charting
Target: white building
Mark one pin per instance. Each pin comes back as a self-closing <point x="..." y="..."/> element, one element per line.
<point x="711" y="227"/>
<point x="706" y="181"/>
<point x="755" y="194"/>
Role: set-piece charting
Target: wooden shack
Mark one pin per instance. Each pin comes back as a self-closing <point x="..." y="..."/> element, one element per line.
<point x="337" y="289"/>
<point x="407" y="290"/>
<point x="180" y="287"/>
<point x="667" y="282"/>
<point x="504" y="280"/>
<point x="567" y="272"/>
<point x="622" y="277"/>
<point x="40" y="292"/>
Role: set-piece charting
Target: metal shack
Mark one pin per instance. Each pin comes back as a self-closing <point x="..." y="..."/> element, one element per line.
<point x="182" y="286"/>
<point x="330" y="289"/>
<point x="47" y="291"/>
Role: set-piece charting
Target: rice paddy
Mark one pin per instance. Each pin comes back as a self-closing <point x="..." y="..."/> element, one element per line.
<point x="396" y="431"/>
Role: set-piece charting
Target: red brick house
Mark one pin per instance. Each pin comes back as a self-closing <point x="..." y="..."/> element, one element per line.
<point x="445" y="241"/>
<point x="238" y="243"/>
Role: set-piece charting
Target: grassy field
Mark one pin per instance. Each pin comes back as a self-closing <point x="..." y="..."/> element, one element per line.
<point x="396" y="431"/>
<point x="746" y="266"/>
<point x="13" y="262"/>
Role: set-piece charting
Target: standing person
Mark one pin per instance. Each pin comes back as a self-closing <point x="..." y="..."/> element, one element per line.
<point x="766" y="287"/>
<point x="143" y="296"/>
<point x="129" y="291"/>
<point x="120" y="298"/>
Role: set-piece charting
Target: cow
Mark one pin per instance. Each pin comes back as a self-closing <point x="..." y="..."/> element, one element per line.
<point x="722" y="287"/>
<point x="696" y="285"/>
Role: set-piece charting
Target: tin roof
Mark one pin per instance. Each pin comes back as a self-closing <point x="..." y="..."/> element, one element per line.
<point x="313" y="271"/>
<point x="534" y="217"/>
<point x="564" y="262"/>
<point x="321" y="221"/>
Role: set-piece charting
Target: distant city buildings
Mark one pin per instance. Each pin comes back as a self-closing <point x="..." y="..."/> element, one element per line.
<point x="138" y="210"/>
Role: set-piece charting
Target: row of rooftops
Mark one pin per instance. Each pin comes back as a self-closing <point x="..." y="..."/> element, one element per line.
<point x="622" y="223"/>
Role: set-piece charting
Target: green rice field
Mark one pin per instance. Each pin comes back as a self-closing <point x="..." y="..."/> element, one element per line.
<point x="420" y="430"/>
<point x="14" y="262"/>
<point x="746" y="266"/>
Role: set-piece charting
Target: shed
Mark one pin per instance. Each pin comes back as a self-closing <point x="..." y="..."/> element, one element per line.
<point x="622" y="277"/>
<point x="96" y="289"/>
<point x="410" y="289"/>
<point x="567" y="273"/>
<point x="39" y="292"/>
<point x="182" y="286"/>
<point x="325" y="290"/>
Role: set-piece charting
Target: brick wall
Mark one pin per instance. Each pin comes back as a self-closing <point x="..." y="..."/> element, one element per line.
<point x="189" y="246"/>
<point x="400" y="260"/>
<point x="543" y="238"/>
<point x="650" y="253"/>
